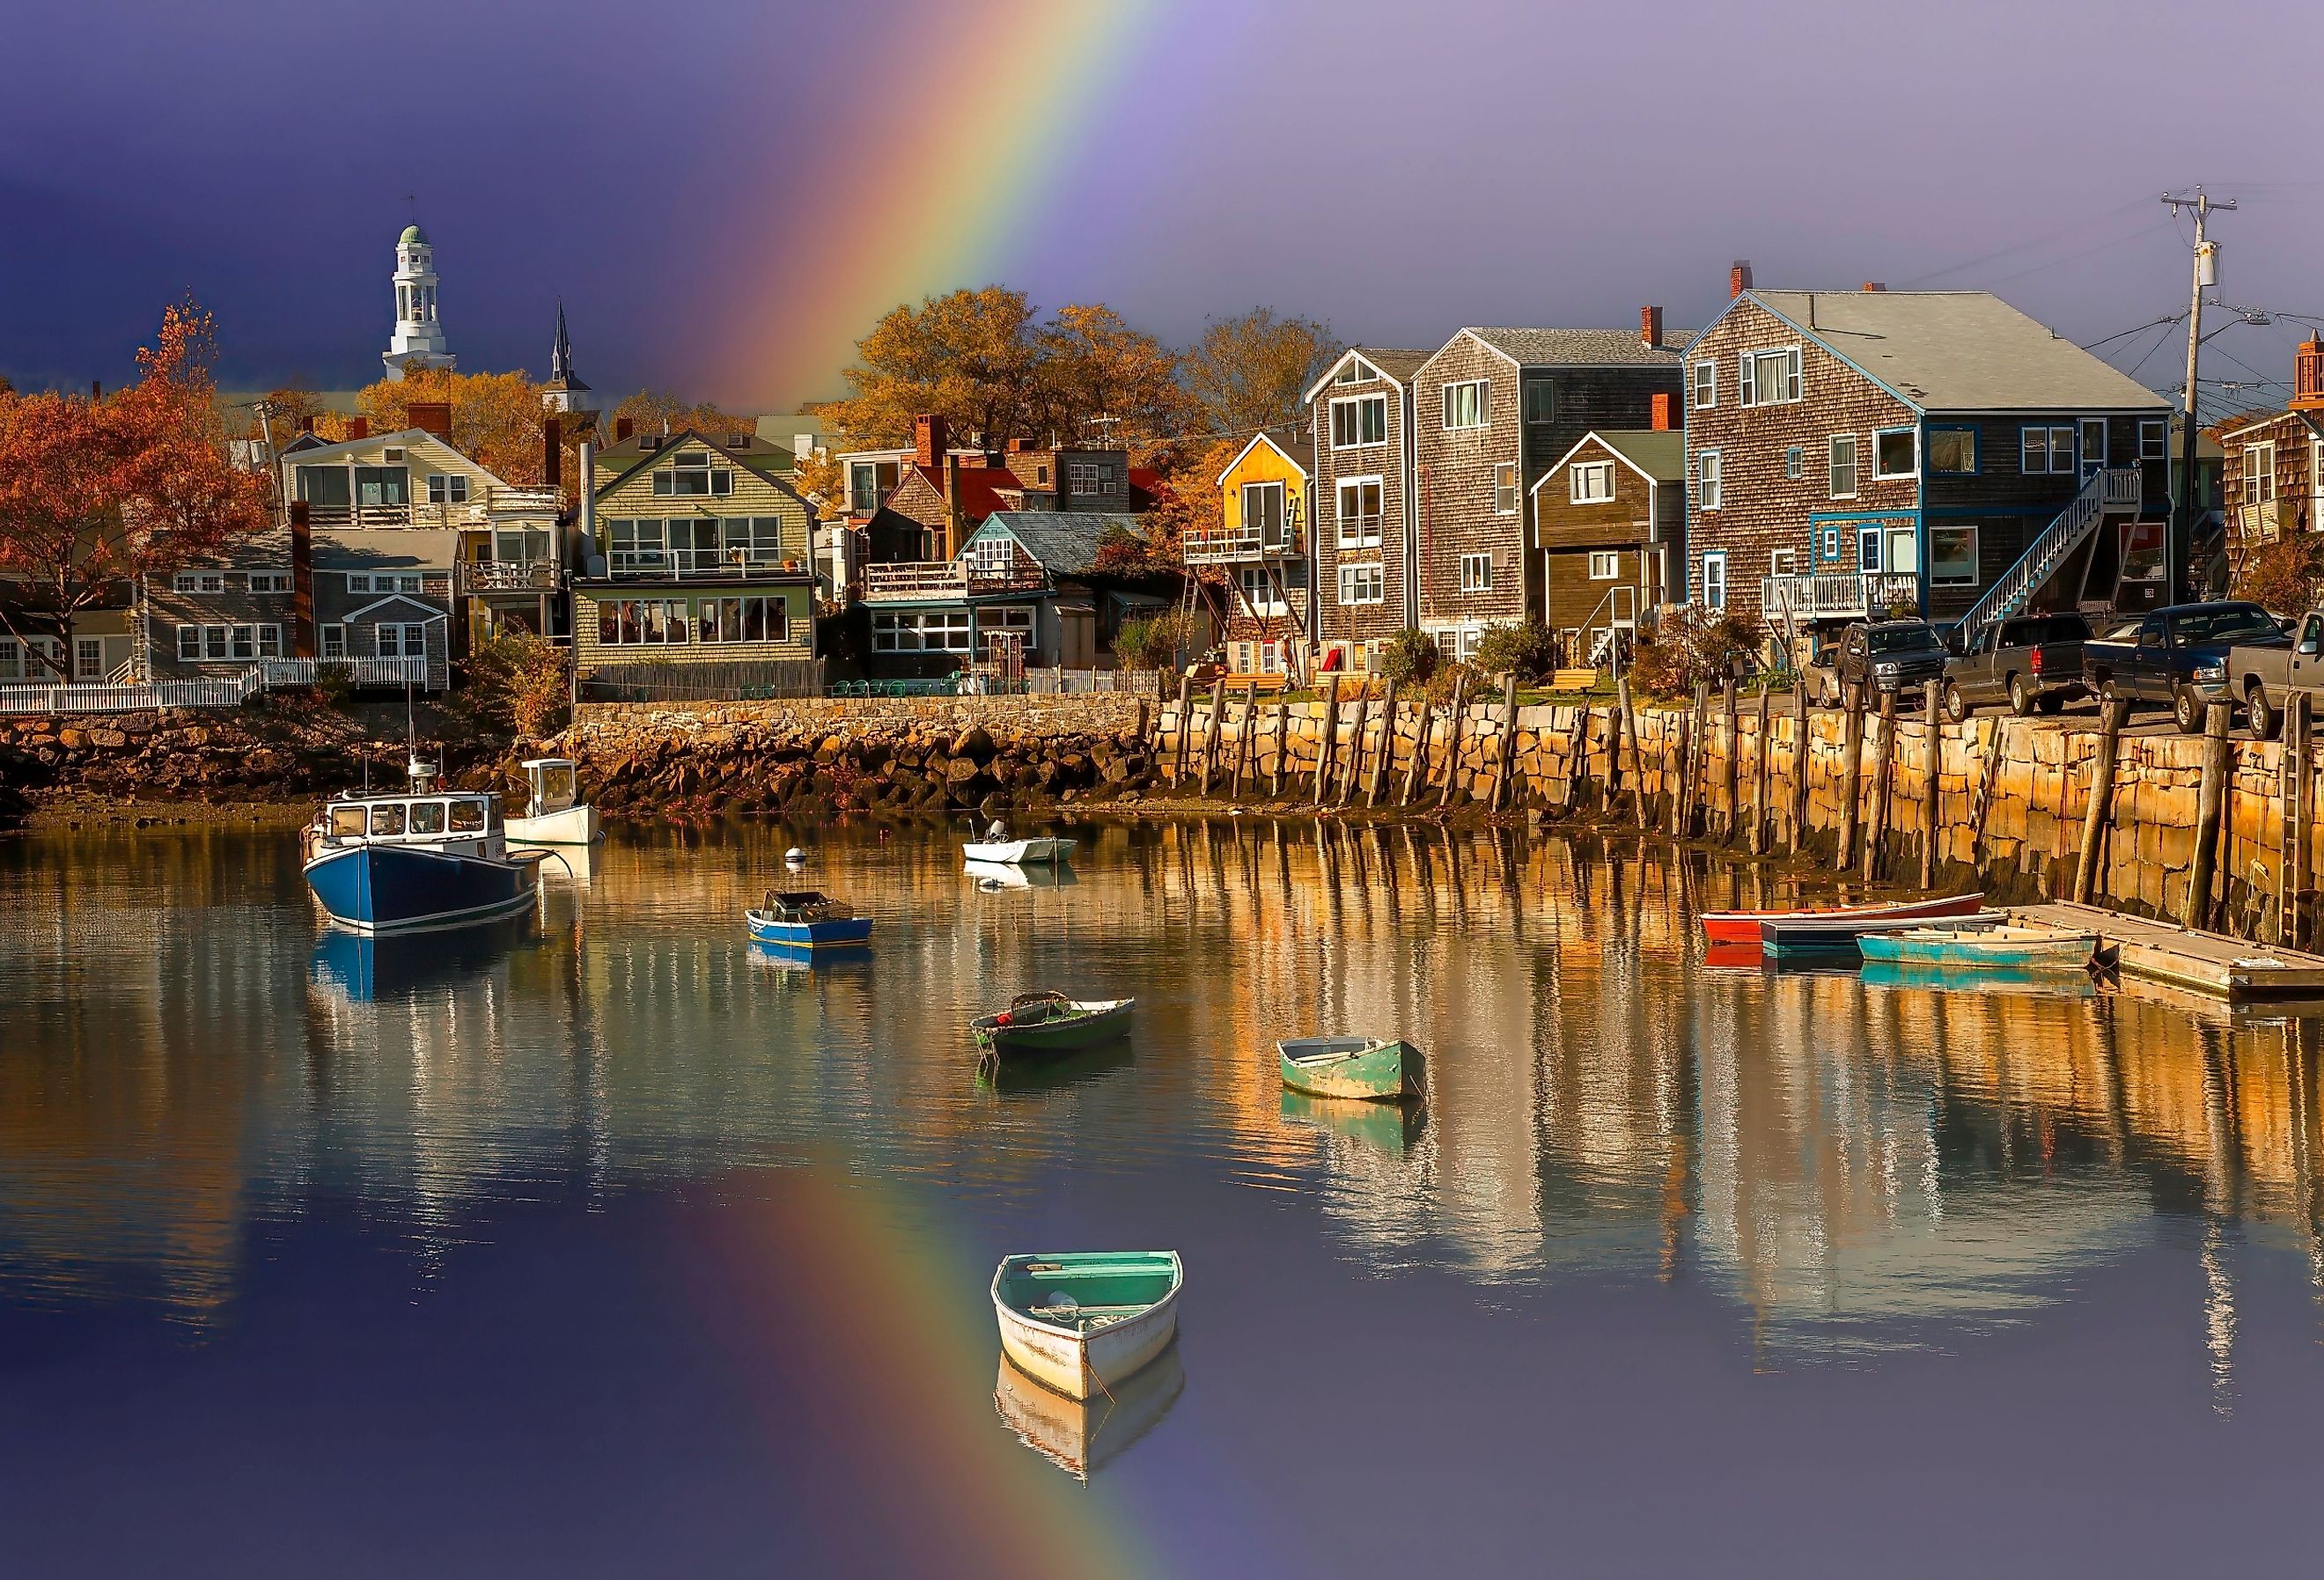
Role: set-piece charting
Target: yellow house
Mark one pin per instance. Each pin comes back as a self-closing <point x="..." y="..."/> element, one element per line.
<point x="700" y="553"/>
<point x="1262" y="545"/>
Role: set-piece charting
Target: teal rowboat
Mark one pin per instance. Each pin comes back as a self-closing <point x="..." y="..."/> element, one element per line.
<point x="1081" y="1321"/>
<point x="1041" y="1024"/>
<point x="1995" y="949"/>
<point x="1370" y="1067"/>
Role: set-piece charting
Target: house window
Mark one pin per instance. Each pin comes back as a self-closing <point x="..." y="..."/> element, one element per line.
<point x="1360" y="513"/>
<point x="2046" y="450"/>
<point x="1261" y="595"/>
<point x="447" y="488"/>
<point x="1710" y="493"/>
<point x="863" y="487"/>
<point x="1605" y="565"/>
<point x="1831" y="545"/>
<point x="2094" y="443"/>
<point x="334" y="642"/>
<point x="1476" y="573"/>
<point x="1953" y="451"/>
<point x="1782" y="562"/>
<point x="198" y="581"/>
<point x="1592" y="482"/>
<point x="1794" y="463"/>
<point x="190" y="646"/>
<point x="1358" y="419"/>
<point x="382" y="486"/>
<point x="931" y="631"/>
<point x="1468" y="405"/>
<point x="693" y="476"/>
<point x="749" y="618"/>
<point x="1844" y="465"/>
<point x="1262" y="512"/>
<point x="1706" y="386"/>
<point x="218" y="643"/>
<point x="1894" y="453"/>
<point x="750" y="539"/>
<point x="1953" y="556"/>
<point x="89" y="658"/>
<point x="1540" y="402"/>
<point x="2259" y="474"/>
<point x="1770" y="378"/>
<point x="399" y="640"/>
<point x="270" y="581"/>
<point x="2153" y="439"/>
<point x="1505" y="488"/>
<point x="243" y="639"/>
<point x="637" y="545"/>
<point x="1714" y="579"/>
<point x="1362" y="584"/>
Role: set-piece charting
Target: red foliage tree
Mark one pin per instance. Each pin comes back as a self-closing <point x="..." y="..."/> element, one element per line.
<point x="98" y="493"/>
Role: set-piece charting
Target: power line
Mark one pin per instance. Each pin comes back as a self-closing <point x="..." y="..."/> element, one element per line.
<point x="2043" y="240"/>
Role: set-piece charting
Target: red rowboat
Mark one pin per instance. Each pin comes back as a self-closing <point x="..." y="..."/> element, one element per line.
<point x="1742" y="927"/>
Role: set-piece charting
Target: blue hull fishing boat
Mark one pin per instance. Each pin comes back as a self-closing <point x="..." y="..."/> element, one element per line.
<point x="807" y="920"/>
<point x="407" y="863"/>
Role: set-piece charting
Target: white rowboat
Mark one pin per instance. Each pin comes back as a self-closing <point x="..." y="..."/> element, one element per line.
<point x="1017" y="852"/>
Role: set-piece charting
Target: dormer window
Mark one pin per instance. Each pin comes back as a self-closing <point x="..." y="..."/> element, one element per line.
<point x="693" y="476"/>
<point x="394" y="454"/>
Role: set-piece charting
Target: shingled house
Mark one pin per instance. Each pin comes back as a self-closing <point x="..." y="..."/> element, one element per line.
<point x="2274" y="472"/>
<point x="1853" y="451"/>
<point x="1611" y="518"/>
<point x="1367" y="569"/>
<point x="1496" y="409"/>
<point x="1260" y="548"/>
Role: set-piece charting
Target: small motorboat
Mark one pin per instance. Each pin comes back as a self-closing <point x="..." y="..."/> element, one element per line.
<point x="1827" y="933"/>
<point x="997" y="846"/>
<point x="429" y="858"/>
<point x="1079" y="1322"/>
<point x="1742" y="927"/>
<point x="1378" y="1069"/>
<point x="1993" y="949"/>
<point x="807" y="918"/>
<point x="1051" y="1023"/>
<point x="556" y="814"/>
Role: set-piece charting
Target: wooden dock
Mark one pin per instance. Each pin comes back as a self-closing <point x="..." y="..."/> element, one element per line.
<point x="2206" y="963"/>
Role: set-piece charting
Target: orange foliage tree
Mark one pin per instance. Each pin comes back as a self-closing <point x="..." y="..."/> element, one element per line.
<point x="496" y="417"/>
<point x="649" y="410"/>
<point x="97" y="494"/>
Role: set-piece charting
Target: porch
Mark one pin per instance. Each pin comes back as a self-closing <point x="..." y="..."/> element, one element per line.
<point x="1836" y="595"/>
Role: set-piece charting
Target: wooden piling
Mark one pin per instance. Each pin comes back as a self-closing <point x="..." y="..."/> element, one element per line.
<point x="2209" y="803"/>
<point x="1185" y="723"/>
<point x="1932" y="762"/>
<point x="1851" y="786"/>
<point x="1354" y="772"/>
<point x="1145" y="716"/>
<point x="1756" y="842"/>
<point x="1243" y="735"/>
<point x="2099" y="813"/>
<point x="1801" y="759"/>
<point x="1282" y="739"/>
<point x="2300" y="752"/>
<point x="1416" y="773"/>
<point x="1508" y="743"/>
<point x="1626" y="728"/>
<point x="1452" y="739"/>
<point x="1733" y="766"/>
<point x="1328" y="747"/>
<point x="1211" y="731"/>
<point x="1884" y="778"/>
<point x="1577" y="758"/>
<point x="1674" y="775"/>
<point x="1983" y="806"/>
<point x="1385" y="762"/>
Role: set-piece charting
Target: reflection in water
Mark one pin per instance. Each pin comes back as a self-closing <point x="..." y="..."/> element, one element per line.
<point x="1079" y="1435"/>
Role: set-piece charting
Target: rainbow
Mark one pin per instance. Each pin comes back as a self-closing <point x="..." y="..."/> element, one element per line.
<point x="945" y="164"/>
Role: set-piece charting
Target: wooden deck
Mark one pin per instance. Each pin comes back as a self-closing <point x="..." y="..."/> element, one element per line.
<point x="2206" y="963"/>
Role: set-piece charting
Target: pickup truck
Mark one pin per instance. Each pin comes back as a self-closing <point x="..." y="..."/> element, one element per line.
<point x="2027" y="661"/>
<point x="2178" y="656"/>
<point x="2263" y="676"/>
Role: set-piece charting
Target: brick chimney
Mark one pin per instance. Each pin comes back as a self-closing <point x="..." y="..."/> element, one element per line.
<point x="623" y="428"/>
<point x="1018" y="447"/>
<point x="302" y="582"/>
<point x="1663" y="402"/>
<point x="956" y="521"/>
<point x="1739" y="278"/>
<point x="552" y="453"/>
<point x="429" y="417"/>
<point x="929" y="440"/>
<point x="1874" y="285"/>
<point x="357" y="428"/>
<point x="2308" y="376"/>
<point x="1650" y="325"/>
<point x="306" y="425"/>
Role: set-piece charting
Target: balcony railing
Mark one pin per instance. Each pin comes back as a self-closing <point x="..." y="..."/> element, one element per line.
<point x="1837" y="595"/>
<point x="700" y="564"/>
<point x="490" y="508"/>
<point x="511" y="576"/>
<point x="1220" y="545"/>
<point x="950" y="579"/>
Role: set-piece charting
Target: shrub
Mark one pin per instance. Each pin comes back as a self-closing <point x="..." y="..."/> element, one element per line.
<point x="523" y="683"/>
<point x="1407" y="659"/>
<point x="2282" y="575"/>
<point x="1528" y="651"/>
<point x="1692" y="647"/>
<point x="1447" y="677"/>
<point x="1156" y="641"/>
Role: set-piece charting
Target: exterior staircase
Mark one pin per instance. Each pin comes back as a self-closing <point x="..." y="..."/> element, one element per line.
<point x="2116" y="489"/>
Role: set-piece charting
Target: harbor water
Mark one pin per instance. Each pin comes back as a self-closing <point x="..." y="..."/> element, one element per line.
<point x="607" y="1243"/>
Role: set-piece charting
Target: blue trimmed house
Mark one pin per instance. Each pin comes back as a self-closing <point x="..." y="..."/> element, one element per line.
<point x="1852" y="452"/>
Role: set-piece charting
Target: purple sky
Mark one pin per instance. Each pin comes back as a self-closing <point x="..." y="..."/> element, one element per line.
<point x="1399" y="169"/>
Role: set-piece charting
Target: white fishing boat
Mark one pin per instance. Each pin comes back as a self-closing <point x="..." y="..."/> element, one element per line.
<point x="556" y="814"/>
<point x="1079" y="1322"/>
<point x="996" y="846"/>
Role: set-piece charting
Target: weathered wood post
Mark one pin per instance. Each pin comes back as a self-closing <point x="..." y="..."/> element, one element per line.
<point x="1211" y="731"/>
<point x="1452" y="739"/>
<point x="1757" y="841"/>
<point x="1328" y="748"/>
<point x="1883" y="777"/>
<point x="1674" y="775"/>
<point x="2299" y="749"/>
<point x="1385" y="761"/>
<point x="1733" y="768"/>
<point x="1851" y="762"/>
<point x="1355" y="773"/>
<point x="1690" y="764"/>
<point x="1932" y="763"/>
<point x="1802" y="759"/>
<point x="1508" y="743"/>
<point x="2210" y="801"/>
<point x="1243" y="746"/>
<point x="1144" y="718"/>
<point x="1625" y="729"/>
<point x="1416" y="773"/>
<point x="1577" y="758"/>
<point x="1185" y="723"/>
<point x="2099" y="813"/>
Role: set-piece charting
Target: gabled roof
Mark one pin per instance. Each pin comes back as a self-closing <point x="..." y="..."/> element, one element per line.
<point x="1294" y="442"/>
<point x="1581" y="347"/>
<point x="981" y="487"/>
<point x="1956" y="351"/>
<point x="630" y="457"/>
<point x="1655" y="453"/>
<point x="1396" y="364"/>
<point x="410" y="438"/>
<point x="2233" y="427"/>
<point x="1062" y="543"/>
<point x="426" y="611"/>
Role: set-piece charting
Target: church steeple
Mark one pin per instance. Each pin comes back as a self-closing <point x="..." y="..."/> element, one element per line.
<point x="418" y="337"/>
<point x="565" y="391"/>
<point x="561" y="356"/>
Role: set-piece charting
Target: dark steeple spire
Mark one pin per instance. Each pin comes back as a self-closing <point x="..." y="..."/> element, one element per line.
<point x="560" y="358"/>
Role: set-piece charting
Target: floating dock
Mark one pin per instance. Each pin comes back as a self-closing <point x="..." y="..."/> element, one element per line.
<point x="2234" y="969"/>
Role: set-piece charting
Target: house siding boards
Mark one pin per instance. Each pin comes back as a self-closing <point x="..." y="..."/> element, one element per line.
<point x="2291" y="498"/>
<point x="1644" y="509"/>
<point x="356" y="614"/>
<point x="1352" y="626"/>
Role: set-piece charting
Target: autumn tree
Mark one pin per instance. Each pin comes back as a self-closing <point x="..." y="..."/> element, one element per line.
<point x="1254" y="370"/>
<point x="970" y="356"/>
<point x="496" y="417"/>
<point x="819" y="476"/>
<point x="651" y="411"/>
<point x="1105" y="383"/>
<point x="97" y="492"/>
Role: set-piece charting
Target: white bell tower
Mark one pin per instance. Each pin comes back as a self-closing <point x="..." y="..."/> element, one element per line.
<point x="418" y="337"/>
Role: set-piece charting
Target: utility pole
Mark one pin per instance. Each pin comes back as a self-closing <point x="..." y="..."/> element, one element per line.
<point x="2179" y="539"/>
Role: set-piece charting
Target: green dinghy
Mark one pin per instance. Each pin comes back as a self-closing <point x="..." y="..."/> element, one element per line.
<point x="1080" y="1321"/>
<point x="1045" y="1024"/>
<point x="1379" y="1069"/>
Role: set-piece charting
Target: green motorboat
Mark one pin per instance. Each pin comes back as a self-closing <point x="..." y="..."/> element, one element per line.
<point x="1375" y="1068"/>
<point x="1042" y="1024"/>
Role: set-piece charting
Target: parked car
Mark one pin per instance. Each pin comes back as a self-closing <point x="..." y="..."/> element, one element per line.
<point x="2264" y="676"/>
<point x="2027" y="661"/>
<point x="1889" y="655"/>
<point x="2178" y="656"/>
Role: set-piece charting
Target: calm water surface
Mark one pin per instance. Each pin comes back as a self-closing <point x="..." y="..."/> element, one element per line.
<point x="609" y="1245"/>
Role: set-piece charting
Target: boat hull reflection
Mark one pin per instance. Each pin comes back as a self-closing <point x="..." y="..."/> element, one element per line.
<point x="1392" y="1127"/>
<point x="1079" y="1435"/>
<point x="364" y="969"/>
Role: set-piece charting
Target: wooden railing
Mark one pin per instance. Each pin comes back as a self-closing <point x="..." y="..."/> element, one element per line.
<point x="2117" y="488"/>
<point x="1215" y="545"/>
<point x="1852" y="595"/>
<point x="490" y="508"/>
<point x="511" y="576"/>
<point x="698" y="564"/>
<point x="949" y="578"/>
<point x="207" y="690"/>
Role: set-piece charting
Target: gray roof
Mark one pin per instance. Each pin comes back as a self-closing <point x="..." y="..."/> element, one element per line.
<point x="1583" y="347"/>
<point x="1659" y="452"/>
<point x="1398" y="361"/>
<point x="385" y="548"/>
<point x="1062" y="543"/>
<point x="1959" y="351"/>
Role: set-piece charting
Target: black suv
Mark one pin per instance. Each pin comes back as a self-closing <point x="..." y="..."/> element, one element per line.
<point x="1890" y="655"/>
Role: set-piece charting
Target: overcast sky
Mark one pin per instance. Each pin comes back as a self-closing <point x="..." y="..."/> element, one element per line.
<point x="1397" y="168"/>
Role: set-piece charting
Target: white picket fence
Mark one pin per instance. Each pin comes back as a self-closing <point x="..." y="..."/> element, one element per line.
<point x="206" y="691"/>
